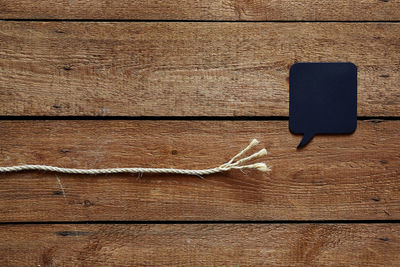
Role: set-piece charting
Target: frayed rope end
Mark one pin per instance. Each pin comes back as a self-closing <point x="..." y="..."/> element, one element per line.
<point x="254" y="142"/>
<point x="260" y="166"/>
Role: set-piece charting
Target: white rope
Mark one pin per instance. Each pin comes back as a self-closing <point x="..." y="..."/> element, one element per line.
<point x="230" y="165"/>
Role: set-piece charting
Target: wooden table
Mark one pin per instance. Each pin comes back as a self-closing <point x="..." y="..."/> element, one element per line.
<point x="187" y="84"/>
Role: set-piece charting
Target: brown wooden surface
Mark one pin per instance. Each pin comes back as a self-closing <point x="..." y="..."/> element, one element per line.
<point x="334" y="178"/>
<point x="203" y="64"/>
<point x="246" y="10"/>
<point x="185" y="69"/>
<point x="201" y="245"/>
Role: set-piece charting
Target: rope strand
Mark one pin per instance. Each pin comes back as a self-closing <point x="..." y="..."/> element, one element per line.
<point x="232" y="164"/>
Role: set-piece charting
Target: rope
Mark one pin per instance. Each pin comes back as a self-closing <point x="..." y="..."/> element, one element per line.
<point x="230" y="165"/>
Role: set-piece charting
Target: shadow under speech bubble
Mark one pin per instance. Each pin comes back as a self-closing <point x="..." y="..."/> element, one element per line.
<point x="323" y="99"/>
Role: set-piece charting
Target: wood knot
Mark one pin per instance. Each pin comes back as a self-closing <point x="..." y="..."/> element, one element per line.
<point x="87" y="203"/>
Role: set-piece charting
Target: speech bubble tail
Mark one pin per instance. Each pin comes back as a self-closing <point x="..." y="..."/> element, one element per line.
<point x="306" y="139"/>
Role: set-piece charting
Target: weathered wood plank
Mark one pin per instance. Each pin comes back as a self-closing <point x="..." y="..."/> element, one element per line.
<point x="244" y="10"/>
<point x="185" y="69"/>
<point x="333" y="178"/>
<point x="200" y="245"/>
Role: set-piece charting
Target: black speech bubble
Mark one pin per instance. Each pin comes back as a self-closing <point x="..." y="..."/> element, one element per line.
<point x="323" y="99"/>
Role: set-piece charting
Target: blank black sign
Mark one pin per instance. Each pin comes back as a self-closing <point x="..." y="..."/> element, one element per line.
<point x="323" y="99"/>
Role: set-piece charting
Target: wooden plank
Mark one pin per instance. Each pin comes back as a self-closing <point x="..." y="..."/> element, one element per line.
<point x="185" y="69"/>
<point x="352" y="177"/>
<point x="200" y="245"/>
<point x="243" y="10"/>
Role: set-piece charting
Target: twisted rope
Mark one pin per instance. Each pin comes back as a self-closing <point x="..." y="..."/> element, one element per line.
<point x="230" y="165"/>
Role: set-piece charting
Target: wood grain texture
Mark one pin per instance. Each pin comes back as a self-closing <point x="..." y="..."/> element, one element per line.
<point x="186" y="69"/>
<point x="334" y="178"/>
<point x="244" y="10"/>
<point x="201" y="245"/>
